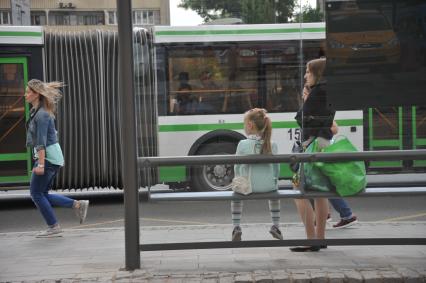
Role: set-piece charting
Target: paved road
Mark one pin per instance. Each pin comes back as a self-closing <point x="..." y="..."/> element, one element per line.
<point x="107" y="210"/>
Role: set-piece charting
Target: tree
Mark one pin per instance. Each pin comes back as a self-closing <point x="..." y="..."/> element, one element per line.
<point x="309" y="15"/>
<point x="250" y="11"/>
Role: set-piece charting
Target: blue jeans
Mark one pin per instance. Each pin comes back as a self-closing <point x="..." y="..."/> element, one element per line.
<point x="39" y="189"/>
<point x="342" y="207"/>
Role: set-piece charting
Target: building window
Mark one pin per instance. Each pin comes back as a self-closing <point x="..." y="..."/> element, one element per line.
<point x="146" y="17"/>
<point x="38" y="18"/>
<point x="112" y="17"/>
<point x="4" y="18"/>
<point x="76" y="18"/>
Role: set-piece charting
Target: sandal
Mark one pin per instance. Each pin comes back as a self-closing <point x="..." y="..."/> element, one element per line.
<point x="306" y="249"/>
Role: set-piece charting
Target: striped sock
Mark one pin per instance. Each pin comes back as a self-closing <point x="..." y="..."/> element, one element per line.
<point x="274" y="208"/>
<point x="236" y="210"/>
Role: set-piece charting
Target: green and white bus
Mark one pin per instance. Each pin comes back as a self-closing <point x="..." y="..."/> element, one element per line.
<point x="208" y="76"/>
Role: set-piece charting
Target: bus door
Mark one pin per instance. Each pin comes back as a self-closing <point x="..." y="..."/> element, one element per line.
<point x="397" y="128"/>
<point x="15" y="158"/>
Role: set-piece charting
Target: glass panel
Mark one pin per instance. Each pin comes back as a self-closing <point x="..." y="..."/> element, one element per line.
<point x="12" y="109"/>
<point x="376" y="49"/>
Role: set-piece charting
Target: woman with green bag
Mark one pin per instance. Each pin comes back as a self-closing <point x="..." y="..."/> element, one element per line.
<point x="316" y="119"/>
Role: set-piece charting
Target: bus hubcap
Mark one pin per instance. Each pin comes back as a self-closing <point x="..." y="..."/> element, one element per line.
<point x="218" y="177"/>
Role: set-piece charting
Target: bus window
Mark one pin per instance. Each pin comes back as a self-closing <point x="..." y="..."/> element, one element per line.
<point x="211" y="79"/>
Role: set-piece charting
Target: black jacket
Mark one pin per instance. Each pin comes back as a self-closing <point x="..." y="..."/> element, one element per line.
<point x="315" y="117"/>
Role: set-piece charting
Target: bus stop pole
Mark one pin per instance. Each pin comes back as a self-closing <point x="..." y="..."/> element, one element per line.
<point x="128" y="135"/>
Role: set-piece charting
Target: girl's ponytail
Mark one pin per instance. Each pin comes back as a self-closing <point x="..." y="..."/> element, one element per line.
<point x="266" y="136"/>
<point x="263" y="124"/>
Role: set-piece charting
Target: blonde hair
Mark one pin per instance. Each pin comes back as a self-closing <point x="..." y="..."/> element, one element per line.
<point x="317" y="68"/>
<point x="50" y="93"/>
<point x="263" y="124"/>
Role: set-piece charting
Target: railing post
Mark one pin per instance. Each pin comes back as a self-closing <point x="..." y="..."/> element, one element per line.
<point x="128" y="134"/>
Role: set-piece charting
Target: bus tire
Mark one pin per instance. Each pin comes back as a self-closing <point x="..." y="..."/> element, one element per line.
<point x="213" y="177"/>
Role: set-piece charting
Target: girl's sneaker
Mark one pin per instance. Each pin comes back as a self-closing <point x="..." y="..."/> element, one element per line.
<point x="275" y="232"/>
<point x="236" y="234"/>
<point x="51" y="232"/>
<point x="81" y="212"/>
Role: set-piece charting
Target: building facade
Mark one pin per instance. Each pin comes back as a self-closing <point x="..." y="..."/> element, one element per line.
<point x="93" y="12"/>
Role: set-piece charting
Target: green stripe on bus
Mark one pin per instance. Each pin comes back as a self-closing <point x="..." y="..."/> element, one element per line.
<point x="240" y="126"/>
<point x="13" y="156"/>
<point x="385" y="143"/>
<point x="172" y="174"/>
<point x="21" y="33"/>
<point x="235" y="32"/>
<point x="419" y="163"/>
<point x="14" y="179"/>
<point x="385" y="164"/>
<point x="420" y="142"/>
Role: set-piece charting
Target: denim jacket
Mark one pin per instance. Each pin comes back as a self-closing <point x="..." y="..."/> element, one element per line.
<point x="41" y="130"/>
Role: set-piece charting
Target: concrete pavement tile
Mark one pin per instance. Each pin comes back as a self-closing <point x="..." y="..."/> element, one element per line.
<point x="210" y="280"/>
<point x="243" y="278"/>
<point x="300" y="277"/>
<point x="318" y="276"/>
<point x="408" y="275"/>
<point x="280" y="276"/>
<point x="336" y="277"/>
<point x="371" y="276"/>
<point x="352" y="276"/>
<point x="263" y="278"/>
<point x="391" y="276"/>
<point x="226" y="279"/>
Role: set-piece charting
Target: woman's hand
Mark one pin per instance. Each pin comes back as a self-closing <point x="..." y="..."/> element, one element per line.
<point x="38" y="170"/>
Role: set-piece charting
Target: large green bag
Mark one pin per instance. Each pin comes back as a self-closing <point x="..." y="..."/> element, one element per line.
<point x="314" y="179"/>
<point x="349" y="177"/>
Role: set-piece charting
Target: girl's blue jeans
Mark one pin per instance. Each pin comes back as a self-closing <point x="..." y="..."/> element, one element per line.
<point x="39" y="189"/>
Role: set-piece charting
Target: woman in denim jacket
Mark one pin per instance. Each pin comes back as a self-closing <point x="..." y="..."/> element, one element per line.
<point x="42" y="138"/>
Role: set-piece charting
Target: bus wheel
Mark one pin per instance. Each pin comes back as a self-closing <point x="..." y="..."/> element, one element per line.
<point x="214" y="177"/>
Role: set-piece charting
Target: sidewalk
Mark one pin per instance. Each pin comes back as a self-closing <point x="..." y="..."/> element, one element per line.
<point x="98" y="255"/>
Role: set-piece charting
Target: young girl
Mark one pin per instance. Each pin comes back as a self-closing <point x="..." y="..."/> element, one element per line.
<point x="263" y="177"/>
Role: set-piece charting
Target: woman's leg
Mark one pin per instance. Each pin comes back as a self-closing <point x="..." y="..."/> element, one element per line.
<point x="58" y="200"/>
<point x="307" y="215"/>
<point x="321" y="212"/>
<point x="39" y="187"/>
